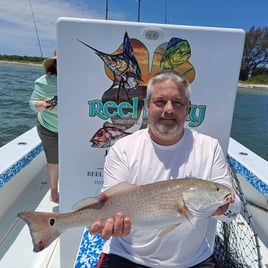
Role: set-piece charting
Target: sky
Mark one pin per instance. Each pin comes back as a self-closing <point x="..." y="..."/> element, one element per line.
<point x="18" y="32"/>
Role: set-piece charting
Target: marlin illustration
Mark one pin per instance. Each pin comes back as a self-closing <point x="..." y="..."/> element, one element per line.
<point x="123" y="65"/>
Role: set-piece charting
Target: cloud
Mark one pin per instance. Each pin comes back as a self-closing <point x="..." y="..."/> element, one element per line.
<point x="18" y="34"/>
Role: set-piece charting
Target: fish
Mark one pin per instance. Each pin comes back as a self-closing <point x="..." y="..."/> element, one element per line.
<point x="159" y="205"/>
<point x="177" y="52"/>
<point x="108" y="135"/>
<point x="123" y="65"/>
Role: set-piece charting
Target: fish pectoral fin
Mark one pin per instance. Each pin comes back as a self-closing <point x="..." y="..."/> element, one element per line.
<point x="183" y="210"/>
<point x="168" y="229"/>
<point x="86" y="203"/>
<point x="120" y="188"/>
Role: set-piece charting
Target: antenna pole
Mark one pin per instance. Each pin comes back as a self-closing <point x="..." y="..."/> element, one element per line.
<point x="139" y="9"/>
<point x="106" y="13"/>
<point x="165" y="11"/>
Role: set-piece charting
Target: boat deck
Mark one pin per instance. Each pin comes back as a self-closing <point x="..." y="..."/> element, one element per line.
<point x="20" y="254"/>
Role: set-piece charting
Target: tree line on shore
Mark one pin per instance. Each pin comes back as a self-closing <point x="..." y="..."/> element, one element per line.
<point x="26" y="59"/>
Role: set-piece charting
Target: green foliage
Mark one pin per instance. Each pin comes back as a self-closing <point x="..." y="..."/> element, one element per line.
<point x="255" y="54"/>
<point x="259" y="79"/>
<point x="25" y="59"/>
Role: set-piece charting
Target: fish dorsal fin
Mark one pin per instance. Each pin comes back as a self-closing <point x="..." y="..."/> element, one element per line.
<point x="114" y="190"/>
<point x="119" y="188"/>
<point x="86" y="203"/>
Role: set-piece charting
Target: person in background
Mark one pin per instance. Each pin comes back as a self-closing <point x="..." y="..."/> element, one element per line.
<point x="44" y="101"/>
<point x="164" y="151"/>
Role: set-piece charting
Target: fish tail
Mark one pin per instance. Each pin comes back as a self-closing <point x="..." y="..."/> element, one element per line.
<point x="43" y="228"/>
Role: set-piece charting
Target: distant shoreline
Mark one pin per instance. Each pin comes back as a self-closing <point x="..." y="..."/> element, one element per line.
<point x="21" y="62"/>
<point x="239" y="85"/>
<point x="248" y="85"/>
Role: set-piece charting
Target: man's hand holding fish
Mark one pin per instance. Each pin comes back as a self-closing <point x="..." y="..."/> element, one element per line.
<point x="116" y="227"/>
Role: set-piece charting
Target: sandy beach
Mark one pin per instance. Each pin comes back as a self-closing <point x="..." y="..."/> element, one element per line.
<point x="20" y="62"/>
<point x="247" y="85"/>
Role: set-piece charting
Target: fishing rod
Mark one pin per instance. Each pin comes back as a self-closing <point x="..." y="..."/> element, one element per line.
<point x="36" y="31"/>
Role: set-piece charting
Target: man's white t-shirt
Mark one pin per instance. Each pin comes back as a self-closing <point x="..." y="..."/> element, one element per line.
<point x="139" y="160"/>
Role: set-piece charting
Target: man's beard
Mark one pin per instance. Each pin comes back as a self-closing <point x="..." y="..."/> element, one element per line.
<point x="164" y="130"/>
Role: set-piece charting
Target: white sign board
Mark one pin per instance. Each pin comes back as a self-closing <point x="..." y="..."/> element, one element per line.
<point x="103" y="70"/>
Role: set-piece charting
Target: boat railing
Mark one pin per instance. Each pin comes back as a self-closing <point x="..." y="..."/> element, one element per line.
<point x="16" y="170"/>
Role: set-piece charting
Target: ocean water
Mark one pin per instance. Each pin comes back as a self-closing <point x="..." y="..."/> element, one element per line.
<point x="16" y="86"/>
<point x="250" y="121"/>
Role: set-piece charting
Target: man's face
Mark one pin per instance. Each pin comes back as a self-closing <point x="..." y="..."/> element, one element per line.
<point x="167" y="110"/>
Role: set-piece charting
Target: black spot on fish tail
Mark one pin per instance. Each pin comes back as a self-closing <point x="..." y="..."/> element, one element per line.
<point x="52" y="221"/>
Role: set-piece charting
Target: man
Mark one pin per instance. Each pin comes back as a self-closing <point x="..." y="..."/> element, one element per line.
<point x="165" y="150"/>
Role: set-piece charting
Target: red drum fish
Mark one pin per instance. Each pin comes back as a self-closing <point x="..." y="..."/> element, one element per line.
<point x="161" y="205"/>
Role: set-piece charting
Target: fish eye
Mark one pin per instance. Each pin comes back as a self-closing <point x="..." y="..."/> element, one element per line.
<point x="217" y="188"/>
<point x="100" y="133"/>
